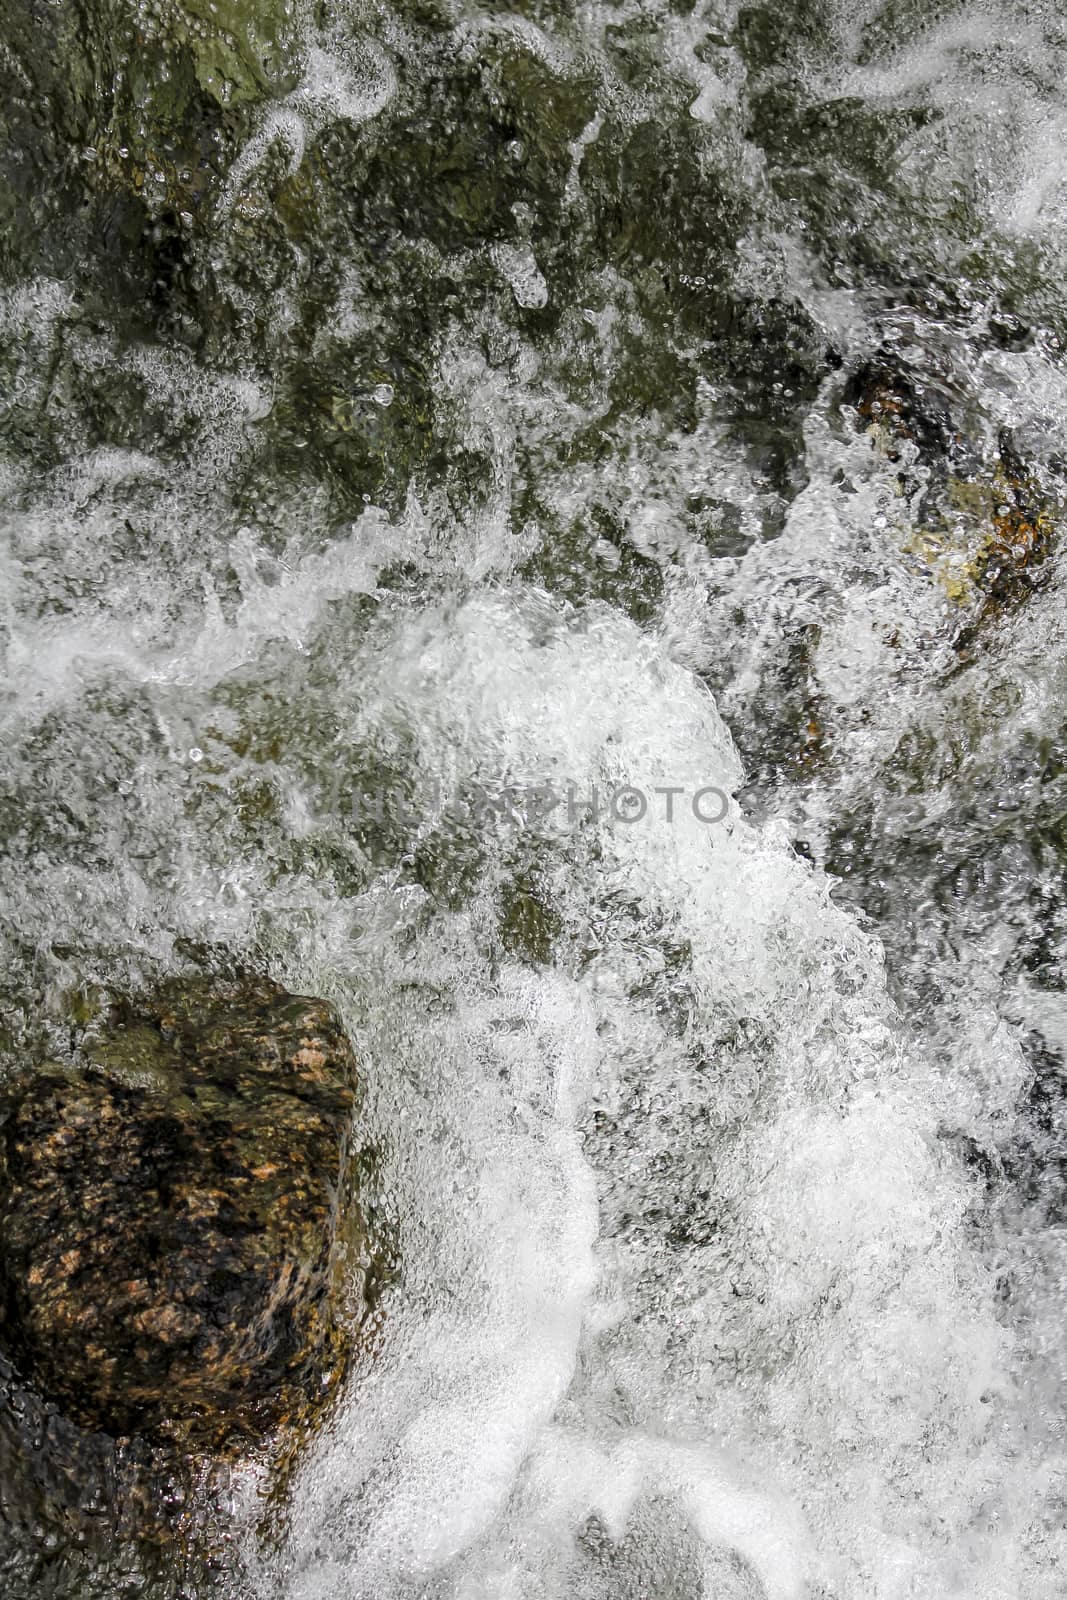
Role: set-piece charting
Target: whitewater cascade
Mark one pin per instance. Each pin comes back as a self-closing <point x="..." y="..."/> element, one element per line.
<point x="527" y="408"/>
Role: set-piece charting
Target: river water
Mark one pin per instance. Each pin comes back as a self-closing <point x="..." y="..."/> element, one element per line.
<point x="522" y="407"/>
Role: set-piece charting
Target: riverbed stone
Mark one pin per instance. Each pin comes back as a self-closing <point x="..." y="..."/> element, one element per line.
<point x="183" y="1250"/>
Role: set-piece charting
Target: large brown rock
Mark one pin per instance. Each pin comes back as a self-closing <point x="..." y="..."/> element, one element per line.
<point x="183" y="1251"/>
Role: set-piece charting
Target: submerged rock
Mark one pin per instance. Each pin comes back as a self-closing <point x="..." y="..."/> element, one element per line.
<point x="183" y="1252"/>
<point x="984" y="514"/>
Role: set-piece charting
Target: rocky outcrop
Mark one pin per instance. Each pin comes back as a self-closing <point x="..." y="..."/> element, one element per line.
<point x="178" y="1217"/>
<point x="984" y="517"/>
<point x="190" y="1261"/>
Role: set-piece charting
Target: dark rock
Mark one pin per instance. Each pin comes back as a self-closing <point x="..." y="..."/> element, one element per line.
<point x="905" y="406"/>
<point x="179" y="1220"/>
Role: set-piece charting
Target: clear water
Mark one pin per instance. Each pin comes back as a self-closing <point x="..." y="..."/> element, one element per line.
<point x="724" y="1157"/>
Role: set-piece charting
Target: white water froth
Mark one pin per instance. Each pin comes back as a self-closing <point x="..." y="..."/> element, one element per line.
<point x="344" y="79"/>
<point x="721" y="1252"/>
<point x="842" y="1280"/>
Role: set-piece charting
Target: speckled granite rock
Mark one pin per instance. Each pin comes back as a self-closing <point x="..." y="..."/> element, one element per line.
<point x="180" y="1223"/>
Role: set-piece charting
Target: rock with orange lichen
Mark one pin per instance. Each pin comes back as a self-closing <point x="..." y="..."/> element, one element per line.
<point x="187" y="1246"/>
<point x="985" y="520"/>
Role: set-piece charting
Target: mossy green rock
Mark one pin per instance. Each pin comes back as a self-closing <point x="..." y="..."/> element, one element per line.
<point x="180" y="1230"/>
<point x="240" y="50"/>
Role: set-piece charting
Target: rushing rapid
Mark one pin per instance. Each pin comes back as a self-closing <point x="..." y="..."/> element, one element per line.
<point x="519" y="425"/>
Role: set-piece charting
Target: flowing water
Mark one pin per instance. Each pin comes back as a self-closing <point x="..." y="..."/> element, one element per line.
<point x="561" y="399"/>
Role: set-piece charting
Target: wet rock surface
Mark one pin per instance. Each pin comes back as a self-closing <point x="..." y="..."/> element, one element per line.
<point x="180" y="1228"/>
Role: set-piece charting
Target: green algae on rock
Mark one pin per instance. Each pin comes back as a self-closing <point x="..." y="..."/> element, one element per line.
<point x="183" y="1253"/>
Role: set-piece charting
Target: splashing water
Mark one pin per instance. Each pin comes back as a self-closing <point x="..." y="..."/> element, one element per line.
<point x="587" y="399"/>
